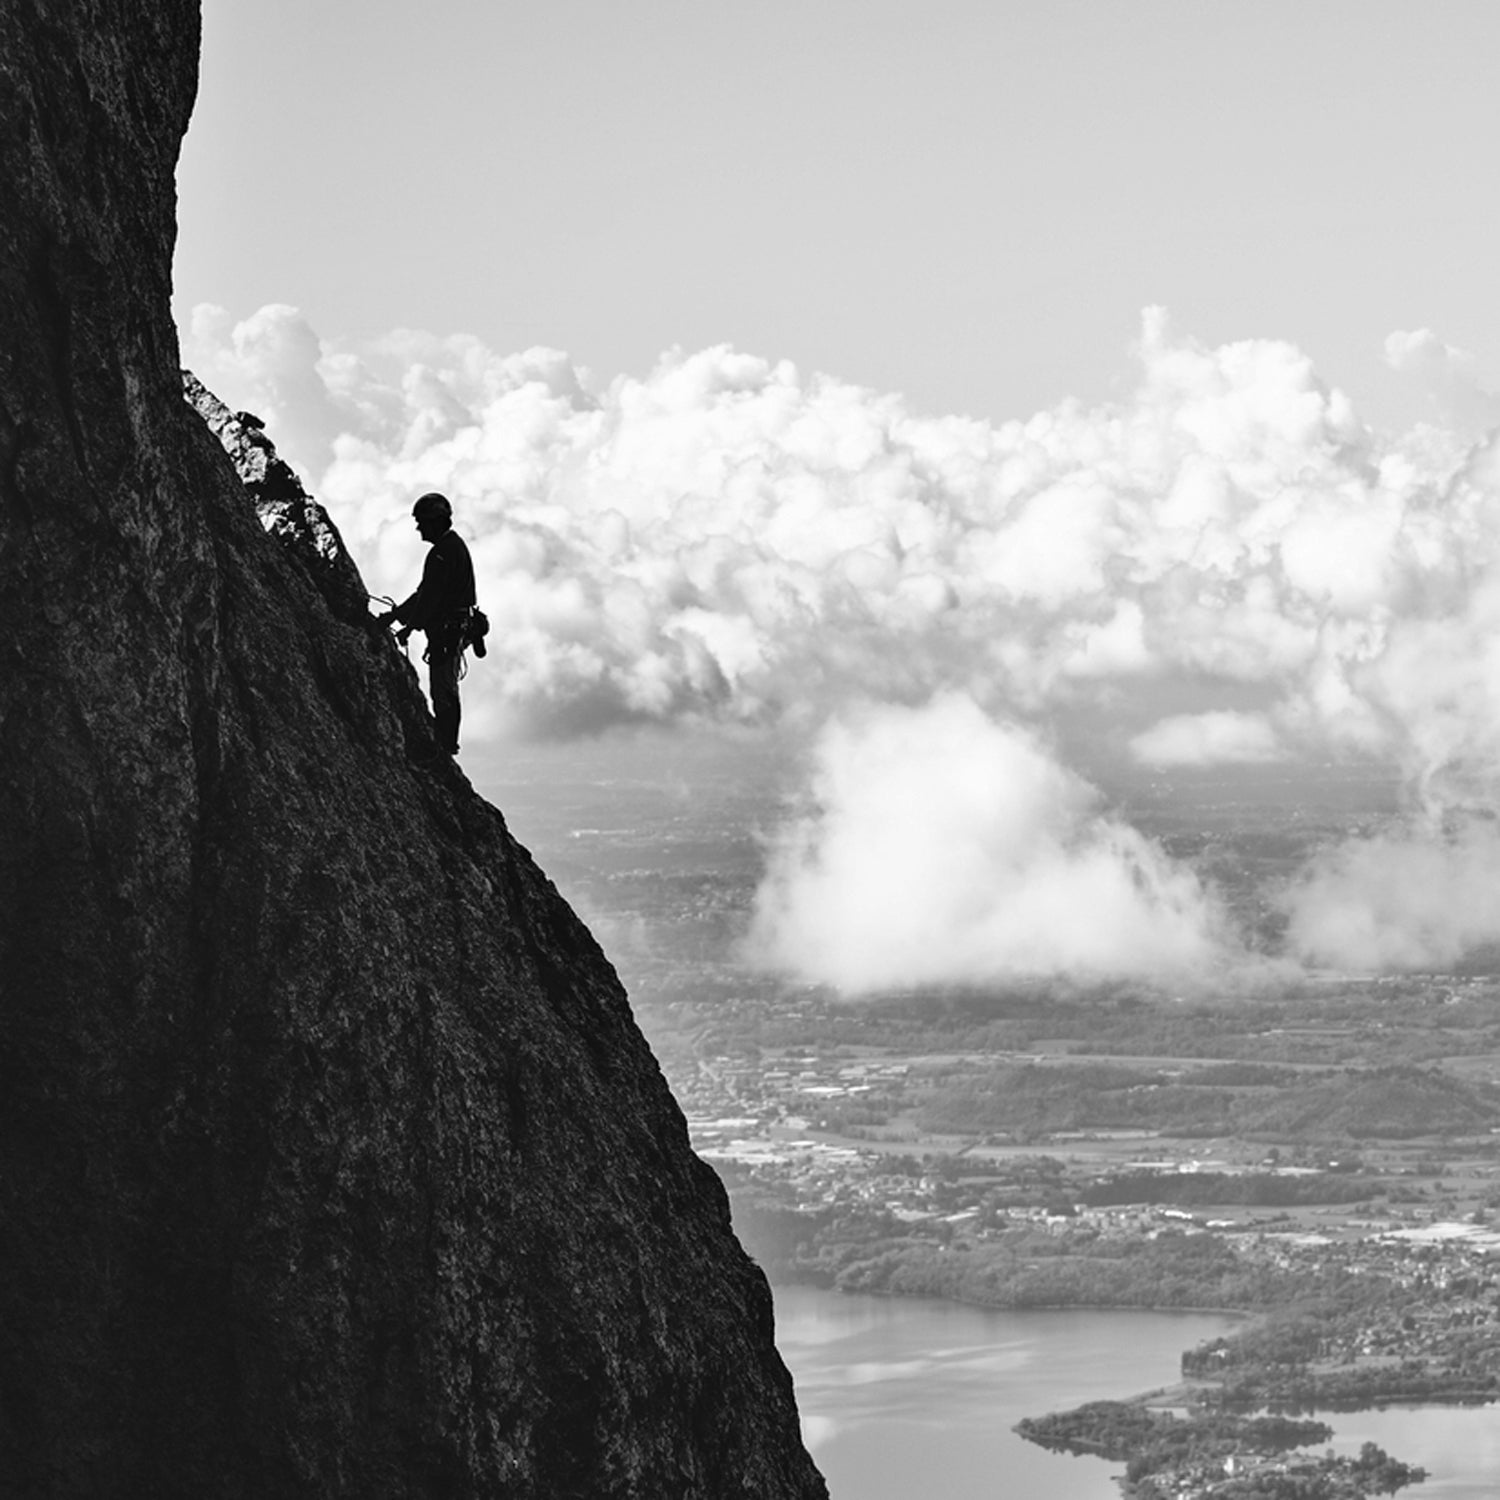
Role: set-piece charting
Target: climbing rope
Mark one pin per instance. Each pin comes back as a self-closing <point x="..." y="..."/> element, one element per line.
<point x="390" y="604"/>
<point x="464" y="646"/>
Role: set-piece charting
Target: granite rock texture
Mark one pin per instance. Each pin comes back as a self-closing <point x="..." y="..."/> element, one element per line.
<point x="332" y="1162"/>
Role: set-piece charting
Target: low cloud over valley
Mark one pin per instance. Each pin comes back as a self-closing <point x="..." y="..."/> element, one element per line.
<point x="728" y="539"/>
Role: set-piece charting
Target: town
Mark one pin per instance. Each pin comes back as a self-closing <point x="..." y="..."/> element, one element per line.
<point x="1339" y="1194"/>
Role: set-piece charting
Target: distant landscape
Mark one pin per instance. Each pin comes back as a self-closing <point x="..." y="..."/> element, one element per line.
<point x="1322" y="1152"/>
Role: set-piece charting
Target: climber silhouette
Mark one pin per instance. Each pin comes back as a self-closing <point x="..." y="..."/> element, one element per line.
<point x="441" y="609"/>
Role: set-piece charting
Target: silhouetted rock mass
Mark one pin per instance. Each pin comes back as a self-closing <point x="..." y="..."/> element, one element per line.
<point x="331" y="1160"/>
<point x="284" y="507"/>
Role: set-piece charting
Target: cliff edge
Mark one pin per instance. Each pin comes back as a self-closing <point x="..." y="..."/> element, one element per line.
<point x="331" y="1160"/>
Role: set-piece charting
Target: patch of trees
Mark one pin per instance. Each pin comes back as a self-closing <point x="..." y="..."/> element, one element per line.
<point x="1038" y="1098"/>
<point x="1243" y="1075"/>
<point x="1374" y="1472"/>
<point x="1390" y="1103"/>
<point x="774" y="1234"/>
<point x="1384" y="1474"/>
<point x="1160" y="1449"/>
<point x="1352" y="1389"/>
<point x="1029" y="1267"/>
<point x="1152" y="1440"/>
<point x="1291" y="1338"/>
<point x="1347" y="1104"/>
<point x="1199" y="1189"/>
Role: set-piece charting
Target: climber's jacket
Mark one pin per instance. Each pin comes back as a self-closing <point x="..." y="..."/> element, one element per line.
<point x="444" y="598"/>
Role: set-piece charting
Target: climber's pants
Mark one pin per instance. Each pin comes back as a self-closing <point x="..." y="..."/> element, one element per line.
<point x="442" y="684"/>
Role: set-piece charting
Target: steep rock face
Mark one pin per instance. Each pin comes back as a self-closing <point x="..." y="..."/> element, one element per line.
<point x="285" y="509"/>
<point x="331" y="1160"/>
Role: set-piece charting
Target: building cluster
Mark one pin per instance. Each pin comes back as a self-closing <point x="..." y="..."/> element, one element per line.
<point x="830" y="1131"/>
<point x="1293" y="1475"/>
<point x="763" y="1119"/>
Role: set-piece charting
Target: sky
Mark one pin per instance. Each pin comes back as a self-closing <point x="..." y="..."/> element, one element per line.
<point x="920" y="383"/>
<point x="965" y="202"/>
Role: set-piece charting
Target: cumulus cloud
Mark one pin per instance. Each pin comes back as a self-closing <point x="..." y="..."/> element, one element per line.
<point x="1215" y="738"/>
<point x="946" y="847"/>
<point x="726" y="537"/>
<point x="1413" y="898"/>
<point x="818" y="1431"/>
<point x="1448" y="376"/>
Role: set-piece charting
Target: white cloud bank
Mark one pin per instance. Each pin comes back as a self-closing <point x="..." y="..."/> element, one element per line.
<point x="947" y="848"/>
<point x="1217" y="738"/>
<point x="729" y="539"/>
<point x="1409" y="899"/>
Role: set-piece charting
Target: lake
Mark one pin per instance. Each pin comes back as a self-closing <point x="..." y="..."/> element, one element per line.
<point x="901" y="1397"/>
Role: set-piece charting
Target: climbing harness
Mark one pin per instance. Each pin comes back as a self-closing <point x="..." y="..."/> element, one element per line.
<point x="468" y="630"/>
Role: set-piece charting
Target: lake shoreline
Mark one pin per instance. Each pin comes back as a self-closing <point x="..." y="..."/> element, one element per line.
<point x="1248" y="1315"/>
<point x="896" y="1389"/>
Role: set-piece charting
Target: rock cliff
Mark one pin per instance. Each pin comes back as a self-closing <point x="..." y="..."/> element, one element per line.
<point x="331" y="1160"/>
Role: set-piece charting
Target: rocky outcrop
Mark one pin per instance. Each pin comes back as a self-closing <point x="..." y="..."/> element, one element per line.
<point x="286" y="510"/>
<point x="331" y="1160"/>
